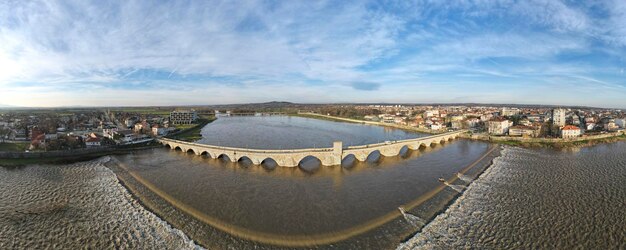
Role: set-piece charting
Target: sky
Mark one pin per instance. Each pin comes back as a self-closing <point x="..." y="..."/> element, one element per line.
<point x="147" y="53"/>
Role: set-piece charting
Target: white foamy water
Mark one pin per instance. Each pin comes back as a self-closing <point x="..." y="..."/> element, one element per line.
<point x="465" y="178"/>
<point x="77" y="206"/>
<point x="538" y="199"/>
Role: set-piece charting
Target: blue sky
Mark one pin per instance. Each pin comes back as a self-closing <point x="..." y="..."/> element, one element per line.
<point x="100" y="53"/>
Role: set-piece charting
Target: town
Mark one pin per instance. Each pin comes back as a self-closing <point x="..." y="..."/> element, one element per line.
<point x="64" y="130"/>
<point x="50" y="130"/>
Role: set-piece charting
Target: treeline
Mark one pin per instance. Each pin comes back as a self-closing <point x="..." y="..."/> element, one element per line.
<point x="348" y="112"/>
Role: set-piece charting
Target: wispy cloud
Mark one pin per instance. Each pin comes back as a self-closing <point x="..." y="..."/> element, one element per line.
<point x="245" y="51"/>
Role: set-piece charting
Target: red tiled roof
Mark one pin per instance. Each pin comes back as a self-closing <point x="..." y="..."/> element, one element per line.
<point x="570" y="127"/>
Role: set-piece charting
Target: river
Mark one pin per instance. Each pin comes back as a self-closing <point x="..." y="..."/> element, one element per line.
<point x="539" y="199"/>
<point x="563" y="199"/>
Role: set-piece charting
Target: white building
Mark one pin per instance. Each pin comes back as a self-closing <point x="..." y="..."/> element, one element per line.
<point x="158" y="131"/>
<point x="620" y="122"/>
<point x="558" y="117"/>
<point x="570" y="131"/>
<point x="499" y="126"/>
<point x="510" y="111"/>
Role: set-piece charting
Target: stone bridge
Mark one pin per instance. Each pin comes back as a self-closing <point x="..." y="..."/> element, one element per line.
<point x="293" y="157"/>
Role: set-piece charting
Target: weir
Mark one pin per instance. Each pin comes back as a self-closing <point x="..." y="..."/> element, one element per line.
<point x="327" y="156"/>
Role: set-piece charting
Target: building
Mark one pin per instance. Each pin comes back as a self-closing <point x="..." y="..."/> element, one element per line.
<point x="130" y="122"/>
<point x="611" y="126"/>
<point x="183" y="117"/>
<point x="570" y="131"/>
<point x="499" y="126"/>
<point x="621" y="122"/>
<point x="125" y="135"/>
<point x="558" y="117"/>
<point x="93" y="142"/>
<point x="473" y="122"/>
<point x="525" y="131"/>
<point x="158" y="131"/>
<point x="510" y="111"/>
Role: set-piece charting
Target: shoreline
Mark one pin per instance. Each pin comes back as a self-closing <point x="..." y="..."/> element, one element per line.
<point x="71" y="158"/>
<point x="434" y="197"/>
<point x="405" y="244"/>
<point x="556" y="143"/>
<point x="350" y="120"/>
<point x="458" y="195"/>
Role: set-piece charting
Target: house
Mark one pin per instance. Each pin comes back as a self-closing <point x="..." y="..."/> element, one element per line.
<point x="125" y="135"/>
<point x="435" y="126"/>
<point x="611" y="126"/>
<point x="621" y="122"/>
<point x="130" y="122"/>
<point x="473" y="122"/>
<point x="525" y="131"/>
<point x="457" y="124"/>
<point x="570" y="131"/>
<point x="93" y="142"/>
<point x="399" y="120"/>
<point x="499" y="126"/>
<point x="138" y="127"/>
<point x="158" y="131"/>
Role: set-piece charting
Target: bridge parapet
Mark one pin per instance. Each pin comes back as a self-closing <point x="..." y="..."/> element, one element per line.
<point x="292" y="157"/>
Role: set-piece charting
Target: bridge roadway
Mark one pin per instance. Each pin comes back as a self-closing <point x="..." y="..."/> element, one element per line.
<point x="293" y="157"/>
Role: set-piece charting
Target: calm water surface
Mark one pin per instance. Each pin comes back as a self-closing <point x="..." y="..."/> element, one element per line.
<point x="275" y="132"/>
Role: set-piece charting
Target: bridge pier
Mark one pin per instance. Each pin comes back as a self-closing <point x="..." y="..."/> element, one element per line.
<point x="337" y="153"/>
<point x="292" y="157"/>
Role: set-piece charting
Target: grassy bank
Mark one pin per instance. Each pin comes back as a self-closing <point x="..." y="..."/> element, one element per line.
<point x="358" y="121"/>
<point x="193" y="133"/>
<point x="14" y="147"/>
<point x="562" y="144"/>
<point x="75" y="158"/>
<point x="325" y="118"/>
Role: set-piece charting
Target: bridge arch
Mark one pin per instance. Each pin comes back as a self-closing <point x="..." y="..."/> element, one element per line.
<point x="178" y="148"/>
<point x="206" y="154"/>
<point x="224" y="157"/>
<point x="309" y="163"/>
<point x="190" y="150"/>
<point x="374" y="156"/>
<point x="269" y="163"/>
<point x="349" y="161"/>
<point x="245" y="161"/>
<point x="405" y="151"/>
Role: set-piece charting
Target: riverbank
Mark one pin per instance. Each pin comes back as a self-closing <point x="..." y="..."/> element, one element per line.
<point x="557" y="143"/>
<point x="18" y="159"/>
<point x="527" y="193"/>
<point x="192" y="134"/>
<point x="391" y="125"/>
<point x="390" y="228"/>
<point x="75" y="206"/>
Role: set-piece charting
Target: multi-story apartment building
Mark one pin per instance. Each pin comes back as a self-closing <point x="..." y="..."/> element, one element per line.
<point x="558" y="117"/>
<point x="183" y="116"/>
